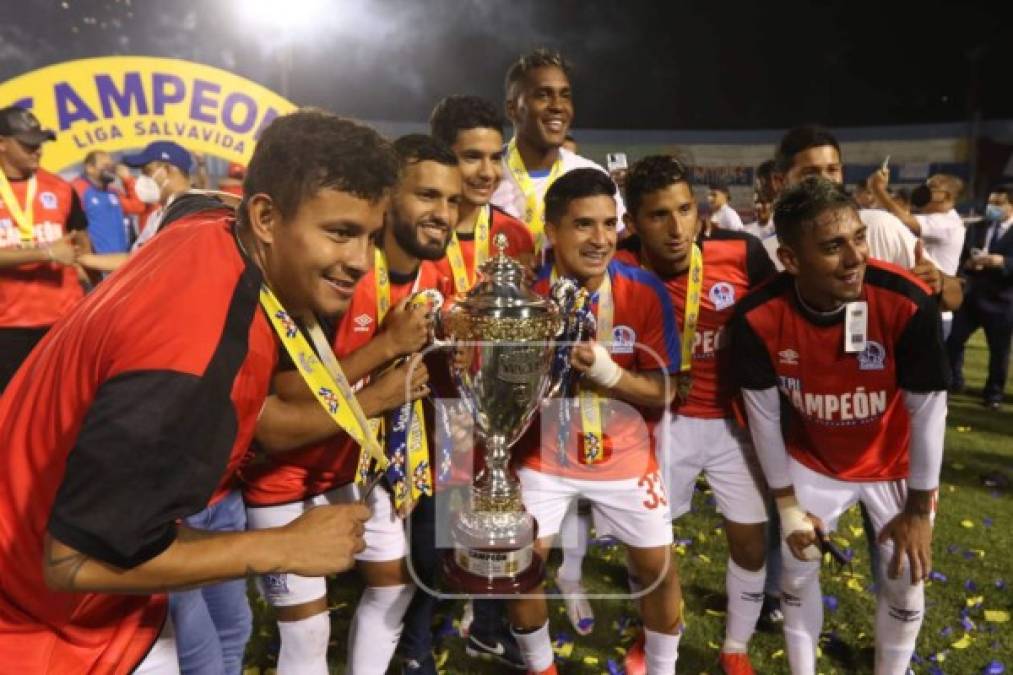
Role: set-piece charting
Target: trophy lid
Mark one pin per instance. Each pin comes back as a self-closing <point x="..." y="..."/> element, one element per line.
<point x="503" y="285"/>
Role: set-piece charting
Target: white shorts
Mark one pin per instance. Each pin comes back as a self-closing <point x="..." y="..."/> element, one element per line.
<point x="385" y="540"/>
<point x="162" y="658"/>
<point x="722" y="451"/>
<point x="633" y="510"/>
<point x="827" y="498"/>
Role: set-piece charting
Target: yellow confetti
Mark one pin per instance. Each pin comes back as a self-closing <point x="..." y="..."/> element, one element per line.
<point x="996" y="615"/>
<point x="963" y="643"/>
<point x="819" y="653"/>
<point x="702" y="537"/>
<point x="441" y="658"/>
<point x="564" y="650"/>
<point x="951" y="488"/>
<point x="963" y="429"/>
<point x="940" y="657"/>
<point x="855" y="585"/>
<point x="841" y="541"/>
<point x="713" y="612"/>
<point x="975" y="600"/>
<point x="978" y="552"/>
<point x="704" y="559"/>
<point x="591" y="660"/>
<point x="779" y="654"/>
<point x="251" y="671"/>
<point x="680" y="549"/>
<point x="713" y="645"/>
<point x="856" y="531"/>
<point x="621" y="651"/>
<point x="967" y="524"/>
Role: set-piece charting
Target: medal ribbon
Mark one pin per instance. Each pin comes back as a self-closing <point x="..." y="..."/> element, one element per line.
<point x="589" y="399"/>
<point x="24" y="218"/>
<point x="328" y="383"/>
<point x="462" y="280"/>
<point x="694" y="282"/>
<point x="534" y="213"/>
<point x="406" y="444"/>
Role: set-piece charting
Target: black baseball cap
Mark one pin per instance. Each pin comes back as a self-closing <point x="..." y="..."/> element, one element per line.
<point x="21" y="124"/>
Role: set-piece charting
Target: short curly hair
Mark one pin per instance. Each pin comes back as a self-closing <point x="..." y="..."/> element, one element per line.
<point x="800" y="205"/>
<point x="455" y="114"/>
<point x="650" y="174"/>
<point x="539" y="58"/>
<point x="305" y="151"/>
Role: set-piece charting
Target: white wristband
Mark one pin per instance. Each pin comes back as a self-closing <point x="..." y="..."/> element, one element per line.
<point x="604" y="371"/>
<point x="793" y="519"/>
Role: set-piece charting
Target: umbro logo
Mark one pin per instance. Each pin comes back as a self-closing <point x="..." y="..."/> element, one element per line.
<point x="788" y="356"/>
<point x="362" y="323"/>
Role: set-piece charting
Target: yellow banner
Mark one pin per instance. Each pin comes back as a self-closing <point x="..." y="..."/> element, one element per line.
<point x="118" y="103"/>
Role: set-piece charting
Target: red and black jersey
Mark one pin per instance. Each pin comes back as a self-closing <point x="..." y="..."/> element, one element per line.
<point x="519" y="242"/>
<point x="37" y="294"/>
<point x="299" y="474"/>
<point x="733" y="264"/>
<point x="843" y="413"/>
<point x="129" y="414"/>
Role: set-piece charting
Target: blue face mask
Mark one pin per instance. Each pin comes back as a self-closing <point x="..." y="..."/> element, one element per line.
<point x="993" y="213"/>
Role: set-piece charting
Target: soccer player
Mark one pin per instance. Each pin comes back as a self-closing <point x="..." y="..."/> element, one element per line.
<point x="107" y="227"/>
<point x="539" y="103"/>
<point x="41" y="219"/>
<point x="609" y="455"/>
<point x="418" y="224"/>
<point x="701" y="435"/>
<point x="142" y="401"/>
<point x="809" y="150"/>
<point x="473" y="129"/>
<point x="845" y="353"/>
<point x="722" y="215"/>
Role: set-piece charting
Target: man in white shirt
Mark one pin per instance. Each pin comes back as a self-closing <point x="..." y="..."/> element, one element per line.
<point x="763" y="226"/>
<point x="722" y="215"/>
<point x="937" y="222"/>
<point x="539" y="102"/>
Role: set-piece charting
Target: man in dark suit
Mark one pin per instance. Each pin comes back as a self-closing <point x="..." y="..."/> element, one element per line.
<point x="986" y="264"/>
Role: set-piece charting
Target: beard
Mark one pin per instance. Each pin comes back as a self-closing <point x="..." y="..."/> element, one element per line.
<point x="407" y="238"/>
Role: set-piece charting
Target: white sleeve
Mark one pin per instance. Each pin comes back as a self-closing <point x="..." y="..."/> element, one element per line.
<point x="734" y="221"/>
<point x="928" y="429"/>
<point x="763" y="408"/>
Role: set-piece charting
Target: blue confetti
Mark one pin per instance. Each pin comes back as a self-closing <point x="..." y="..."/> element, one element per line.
<point x="946" y="631"/>
<point x="987" y="522"/>
<point x="937" y="576"/>
<point x="1000" y="584"/>
<point x="967" y="624"/>
<point x="952" y="548"/>
<point x="614" y="668"/>
<point x="970" y="585"/>
<point x="830" y="602"/>
<point x="994" y="668"/>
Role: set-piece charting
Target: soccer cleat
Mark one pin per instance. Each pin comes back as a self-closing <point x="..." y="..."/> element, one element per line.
<point x="735" y="663"/>
<point x="578" y="609"/>
<point x="636" y="657"/>
<point x="502" y="648"/>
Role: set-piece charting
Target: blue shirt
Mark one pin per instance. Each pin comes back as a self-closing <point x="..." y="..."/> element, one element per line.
<point x="107" y="227"/>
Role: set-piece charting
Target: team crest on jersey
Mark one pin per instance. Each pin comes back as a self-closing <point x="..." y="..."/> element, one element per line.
<point x="873" y="357"/>
<point x="362" y="323"/>
<point x="623" y="340"/>
<point x="48" y="200"/>
<point x="722" y="294"/>
<point x="788" y="356"/>
<point x="275" y="584"/>
<point x="113" y="199"/>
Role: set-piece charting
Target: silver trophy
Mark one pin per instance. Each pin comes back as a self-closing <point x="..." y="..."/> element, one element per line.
<point x="503" y="341"/>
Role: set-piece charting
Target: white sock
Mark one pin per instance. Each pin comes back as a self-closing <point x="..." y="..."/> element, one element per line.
<point x="573" y="532"/>
<point x="536" y="647"/>
<point x="745" y="598"/>
<point x="376" y="628"/>
<point x="802" y="606"/>
<point x="304" y="645"/>
<point x="900" y="610"/>
<point x="661" y="650"/>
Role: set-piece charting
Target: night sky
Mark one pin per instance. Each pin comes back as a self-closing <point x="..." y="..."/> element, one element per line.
<point x="638" y="64"/>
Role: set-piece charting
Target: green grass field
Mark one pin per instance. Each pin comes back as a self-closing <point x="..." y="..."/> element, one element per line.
<point x="973" y="554"/>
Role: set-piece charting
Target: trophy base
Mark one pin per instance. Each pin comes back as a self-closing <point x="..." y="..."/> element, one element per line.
<point x="465" y="581"/>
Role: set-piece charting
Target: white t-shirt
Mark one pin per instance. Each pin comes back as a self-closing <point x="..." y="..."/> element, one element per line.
<point x="509" y="196"/>
<point x="727" y="218"/>
<point x="760" y="230"/>
<point x="943" y="234"/>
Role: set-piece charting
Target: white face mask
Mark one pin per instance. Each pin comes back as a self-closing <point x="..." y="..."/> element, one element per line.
<point x="147" y="188"/>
